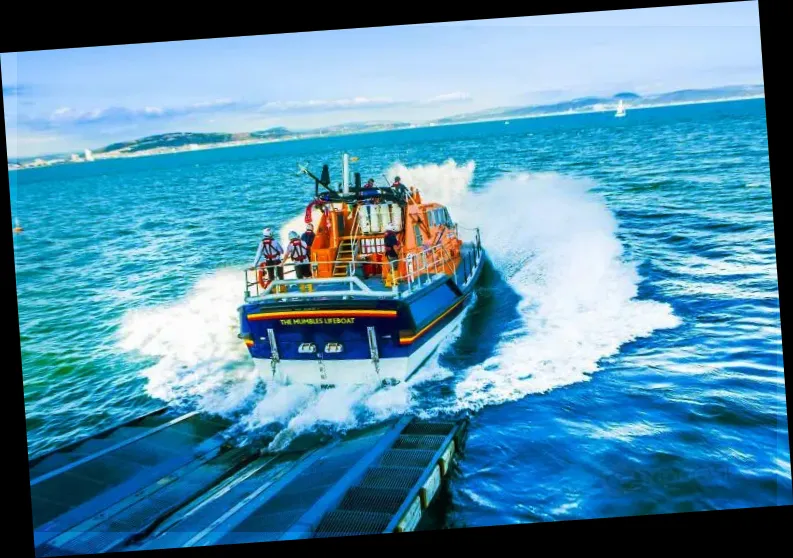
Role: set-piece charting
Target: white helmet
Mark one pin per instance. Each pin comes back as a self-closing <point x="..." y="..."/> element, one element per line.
<point x="267" y="232"/>
<point x="292" y="235"/>
<point x="309" y="227"/>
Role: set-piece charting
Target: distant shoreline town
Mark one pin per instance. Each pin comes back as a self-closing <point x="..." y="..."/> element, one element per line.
<point x="180" y="142"/>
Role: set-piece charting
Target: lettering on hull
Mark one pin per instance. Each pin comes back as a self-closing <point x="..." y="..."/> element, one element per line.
<point x="318" y="321"/>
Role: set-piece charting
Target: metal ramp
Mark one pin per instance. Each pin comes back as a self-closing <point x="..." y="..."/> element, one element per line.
<point x="377" y="481"/>
<point x="74" y="489"/>
<point x="301" y="492"/>
<point x="208" y="516"/>
<point x="392" y="494"/>
<point x="176" y="482"/>
<point x="69" y="453"/>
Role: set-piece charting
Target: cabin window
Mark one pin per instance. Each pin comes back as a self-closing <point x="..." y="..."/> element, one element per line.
<point x="371" y="245"/>
<point x="431" y="218"/>
<point x="417" y="232"/>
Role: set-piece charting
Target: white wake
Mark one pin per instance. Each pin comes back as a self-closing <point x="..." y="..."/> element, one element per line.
<point x="553" y="241"/>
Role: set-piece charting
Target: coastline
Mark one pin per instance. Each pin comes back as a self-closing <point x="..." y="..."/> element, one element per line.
<point x="594" y="111"/>
<point x="242" y="143"/>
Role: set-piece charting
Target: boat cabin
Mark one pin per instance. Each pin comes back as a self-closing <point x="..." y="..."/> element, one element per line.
<point x="352" y="227"/>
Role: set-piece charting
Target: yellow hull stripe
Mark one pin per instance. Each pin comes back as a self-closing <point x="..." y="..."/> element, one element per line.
<point x="324" y="314"/>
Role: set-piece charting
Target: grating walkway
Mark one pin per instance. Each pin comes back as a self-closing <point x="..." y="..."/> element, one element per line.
<point x="392" y="493"/>
<point x="168" y="481"/>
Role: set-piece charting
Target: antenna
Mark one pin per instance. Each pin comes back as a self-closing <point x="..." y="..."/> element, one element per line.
<point x="345" y="174"/>
<point x="324" y="180"/>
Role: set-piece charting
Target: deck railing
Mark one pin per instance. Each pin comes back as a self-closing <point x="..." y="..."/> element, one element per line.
<point x="402" y="276"/>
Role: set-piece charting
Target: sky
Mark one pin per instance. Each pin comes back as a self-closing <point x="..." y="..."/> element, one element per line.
<point x="70" y="99"/>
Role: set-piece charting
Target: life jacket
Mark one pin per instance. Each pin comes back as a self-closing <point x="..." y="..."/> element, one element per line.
<point x="269" y="251"/>
<point x="297" y="252"/>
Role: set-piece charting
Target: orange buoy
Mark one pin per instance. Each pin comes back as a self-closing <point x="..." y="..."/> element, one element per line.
<point x="260" y="277"/>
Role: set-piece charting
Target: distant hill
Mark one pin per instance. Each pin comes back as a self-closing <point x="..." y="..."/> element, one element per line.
<point x="588" y="104"/>
<point x="184" y="139"/>
<point x="178" y="139"/>
<point x="361" y="127"/>
<point x="627" y="95"/>
<point x="691" y="95"/>
<point x="279" y="132"/>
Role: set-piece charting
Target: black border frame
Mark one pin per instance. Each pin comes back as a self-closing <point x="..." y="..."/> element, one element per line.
<point x="26" y="31"/>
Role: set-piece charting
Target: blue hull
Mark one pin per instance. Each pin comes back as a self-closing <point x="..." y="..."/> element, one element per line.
<point x="403" y="328"/>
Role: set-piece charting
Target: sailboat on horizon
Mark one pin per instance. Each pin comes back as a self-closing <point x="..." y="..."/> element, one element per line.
<point x="620" y="110"/>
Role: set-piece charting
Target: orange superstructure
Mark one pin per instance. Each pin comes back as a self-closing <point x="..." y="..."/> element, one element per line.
<point x="354" y="231"/>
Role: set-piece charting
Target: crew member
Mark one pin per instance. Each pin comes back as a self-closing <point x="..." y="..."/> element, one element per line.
<point x="308" y="238"/>
<point x="369" y="183"/>
<point x="391" y="243"/>
<point x="270" y="253"/>
<point x="298" y="252"/>
<point x="400" y="188"/>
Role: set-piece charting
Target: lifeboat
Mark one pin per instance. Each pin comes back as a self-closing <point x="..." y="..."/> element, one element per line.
<point x="368" y="316"/>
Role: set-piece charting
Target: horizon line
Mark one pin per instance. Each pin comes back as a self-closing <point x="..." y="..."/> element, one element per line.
<point x="208" y="147"/>
<point x="425" y="122"/>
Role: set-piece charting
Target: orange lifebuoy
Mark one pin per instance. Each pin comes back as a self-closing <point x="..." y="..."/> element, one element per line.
<point x="260" y="277"/>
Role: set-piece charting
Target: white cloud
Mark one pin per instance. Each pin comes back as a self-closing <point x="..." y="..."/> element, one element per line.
<point x="335" y="104"/>
<point x="455" y="97"/>
<point x="35" y="140"/>
<point x="104" y="122"/>
<point x="215" y="103"/>
<point x="70" y="120"/>
<point x="67" y="117"/>
<point x="359" y="103"/>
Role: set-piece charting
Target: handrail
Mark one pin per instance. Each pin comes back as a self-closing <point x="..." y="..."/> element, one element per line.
<point x="351" y="281"/>
<point x="354" y="240"/>
<point x="430" y="261"/>
<point x="416" y="269"/>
